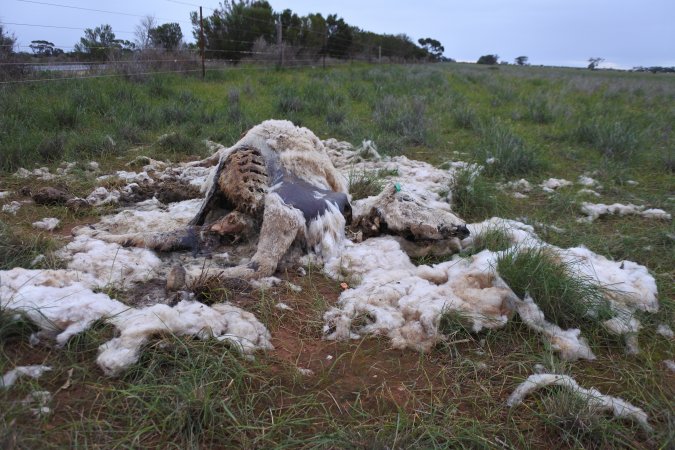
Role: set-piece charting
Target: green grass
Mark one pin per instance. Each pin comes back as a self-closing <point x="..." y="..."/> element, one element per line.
<point x="536" y="122"/>
<point x="566" y="298"/>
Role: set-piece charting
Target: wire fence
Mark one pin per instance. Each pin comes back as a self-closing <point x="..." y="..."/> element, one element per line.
<point x="21" y="68"/>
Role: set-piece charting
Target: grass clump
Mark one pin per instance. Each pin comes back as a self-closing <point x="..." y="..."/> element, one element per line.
<point x="465" y="117"/>
<point x="579" y="424"/>
<point x="613" y="138"/>
<point x="365" y="184"/>
<point x="538" y="109"/>
<point x="473" y="197"/>
<point x="404" y="118"/>
<point x="567" y="298"/>
<point x="492" y="238"/>
<point x="18" y="250"/>
<point x="511" y="155"/>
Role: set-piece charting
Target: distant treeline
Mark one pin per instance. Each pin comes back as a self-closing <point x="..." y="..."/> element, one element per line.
<point x="654" y="69"/>
<point x="241" y="29"/>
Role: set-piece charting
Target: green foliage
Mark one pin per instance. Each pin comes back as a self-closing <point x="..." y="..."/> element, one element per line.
<point x="433" y="47"/>
<point x="567" y="298"/>
<point x="488" y="60"/>
<point x="100" y="42"/>
<point x="521" y="60"/>
<point x="167" y="36"/>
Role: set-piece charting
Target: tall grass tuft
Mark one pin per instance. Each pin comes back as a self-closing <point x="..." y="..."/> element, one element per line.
<point x="511" y="155"/>
<point x="403" y="117"/>
<point x="473" y="198"/>
<point x="465" y="117"/>
<point x="581" y="425"/>
<point x="613" y="138"/>
<point x="364" y="184"/>
<point x="538" y="109"/>
<point x="568" y="299"/>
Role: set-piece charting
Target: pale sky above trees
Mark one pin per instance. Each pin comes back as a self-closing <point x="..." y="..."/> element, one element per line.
<point x="626" y="33"/>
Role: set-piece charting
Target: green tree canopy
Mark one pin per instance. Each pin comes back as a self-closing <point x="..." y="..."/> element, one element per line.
<point x="100" y="42"/>
<point x="7" y="42"/>
<point x="233" y="28"/>
<point x="521" y="60"/>
<point x="167" y="36"/>
<point x="488" y="59"/>
<point x="433" y="47"/>
<point x="44" y="48"/>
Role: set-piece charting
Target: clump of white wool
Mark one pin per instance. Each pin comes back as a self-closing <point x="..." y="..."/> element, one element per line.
<point x="595" y="399"/>
<point x="11" y="377"/>
<point x="595" y="210"/>
<point x="63" y="304"/>
<point x="553" y="184"/>
<point x="47" y="224"/>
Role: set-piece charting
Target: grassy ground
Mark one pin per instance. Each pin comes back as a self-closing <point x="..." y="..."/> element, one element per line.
<point x="537" y="122"/>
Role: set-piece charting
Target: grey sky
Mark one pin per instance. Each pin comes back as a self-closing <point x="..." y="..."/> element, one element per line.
<point x="626" y="33"/>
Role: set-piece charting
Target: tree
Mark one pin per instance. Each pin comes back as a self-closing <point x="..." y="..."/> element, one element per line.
<point x="7" y="42"/>
<point x="339" y="37"/>
<point x="44" y="48"/>
<point x="433" y="47"/>
<point x="593" y="63"/>
<point x="232" y="29"/>
<point x="488" y="59"/>
<point x="167" y="36"/>
<point x="100" y="42"/>
<point x="142" y="32"/>
<point x="521" y="60"/>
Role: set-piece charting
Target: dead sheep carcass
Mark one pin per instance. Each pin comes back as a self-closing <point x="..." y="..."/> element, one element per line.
<point x="278" y="185"/>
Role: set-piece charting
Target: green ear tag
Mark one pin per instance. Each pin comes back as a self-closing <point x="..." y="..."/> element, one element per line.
<point x="397" y="186"/>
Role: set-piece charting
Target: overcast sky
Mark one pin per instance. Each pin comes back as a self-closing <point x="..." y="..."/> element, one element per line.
<point x="626" y="33"/>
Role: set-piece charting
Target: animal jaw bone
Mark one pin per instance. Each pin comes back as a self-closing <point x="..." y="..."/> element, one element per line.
<point x="420" y="229"/>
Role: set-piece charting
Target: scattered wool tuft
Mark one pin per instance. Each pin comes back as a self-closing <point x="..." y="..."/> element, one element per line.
<point x="62" y="304"/>
<point x="392" y="297"/>
<point x="665" y="331"/>
<point x="617" y="406"/>
<point x="670" y="364"/>
<point x="13" y="375"/>
<point x="101" y="196"/>
<point x="109" y="263"/>
<point x="588" y="192"/>
<point x="518" y="186"/>
<point x="553" y="184"/>
<point x="222" y="321"/>
<point x="11" y="208"/>
<point x="48" y="224"/>
<point x="569" y="343"/>
<point x="596" y="210"/>
<point x="4" y="194"/>
<point x="588" y="182"/>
